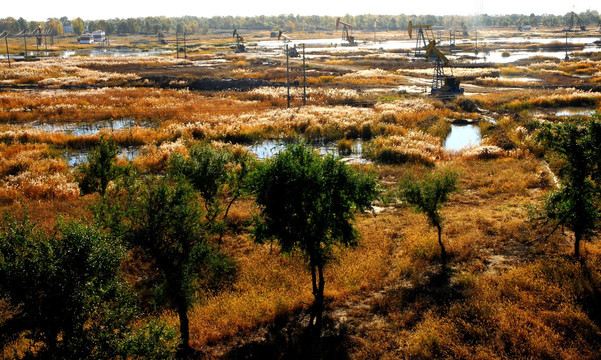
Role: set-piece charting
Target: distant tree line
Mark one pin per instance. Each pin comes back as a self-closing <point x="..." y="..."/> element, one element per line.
<point x="292" y="23"/>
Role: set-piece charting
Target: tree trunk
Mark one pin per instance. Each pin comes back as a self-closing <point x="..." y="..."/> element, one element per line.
<point x="443" y="251"/>
<point x="314" y="292"/>
<point x="577" y="237"/>
<point x="182" y="311"/>
<point x="319" y="297"/>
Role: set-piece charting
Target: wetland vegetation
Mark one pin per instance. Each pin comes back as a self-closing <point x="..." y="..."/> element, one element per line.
<point x="186" y="157"/>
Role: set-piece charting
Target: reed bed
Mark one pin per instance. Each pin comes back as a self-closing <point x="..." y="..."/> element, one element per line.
<point x="517" y="101"/>
<point x="56" y="73"/>
<point x="411" y="147"/>
<point x="460" y="73"/>
<point x="278" y="95"/>
<point x="34" y="171"/>
<point x="244" y="117"/>
<point x="93" y="105"/>
<point x="370" y="76"/>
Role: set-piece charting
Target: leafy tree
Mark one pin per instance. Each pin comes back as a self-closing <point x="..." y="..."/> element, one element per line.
<point x="56" y="26"/>
<point x="64" y="287"/>
<point x="95" y="175"/>
<point x="307" y="204"/>
<point x="78" y="26"/>
<point x="163" y="219"/>
<point x="427" y="196"/>
<point x="575" y="203"/>
<point x="217" y="174"/>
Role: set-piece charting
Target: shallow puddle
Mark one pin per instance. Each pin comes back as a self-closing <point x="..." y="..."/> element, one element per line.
<point x="82" y="129"/>
<point x="566" y="112"/>
<point x="575" y="112"/>
<point x="78" y="157"/>
<point x="462" y="136"/>
<point x="269" y="148"/>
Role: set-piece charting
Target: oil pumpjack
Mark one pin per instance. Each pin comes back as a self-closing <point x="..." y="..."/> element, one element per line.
<point x="442" y="85"/>
<point x="347" y="30"/>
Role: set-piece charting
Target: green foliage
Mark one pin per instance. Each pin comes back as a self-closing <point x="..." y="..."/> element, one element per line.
<point x="78" y="26"/>
<point x="428" y="196"/>
<point x="154" y="340"/>
<point x="217" y="174"/>
<point x="162" y="218"/>
<point x="95" y="175"/>
<point x="576" y="202"/>
<point x="308" y="203"/>
<point x="205" y="169"/>
<point x="64" y="286"/>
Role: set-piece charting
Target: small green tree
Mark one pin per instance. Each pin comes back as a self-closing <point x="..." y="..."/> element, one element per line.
<point x="78" y="26"/>
<point x="427" y="196"/>
<point x="163" y="219"/>
<point x="95" y="175"/>
<point x="575" y="203"/>
<point x="64" y="286"/>
<point x="307" y="204"/>
<point x="220" y="175"/>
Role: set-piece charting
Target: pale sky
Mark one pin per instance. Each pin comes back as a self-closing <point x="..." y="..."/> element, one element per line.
<point x="106" y="9"/>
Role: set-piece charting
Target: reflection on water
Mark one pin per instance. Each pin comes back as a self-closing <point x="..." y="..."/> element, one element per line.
<point x="462" y="136"/>
<point x="575" y="112"/>
<point x="268" y="148"/>
<point x="82" y="129"/>
<point x="99" y="51"/>
<point x="75" y="158"/>
<point x="568" y="111"/>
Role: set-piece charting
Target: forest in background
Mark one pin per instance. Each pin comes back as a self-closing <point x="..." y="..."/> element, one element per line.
<point x="291" y="23"/>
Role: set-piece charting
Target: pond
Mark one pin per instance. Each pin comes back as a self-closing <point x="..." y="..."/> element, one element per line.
<point x="575" y="112"/>
<point x="268" y="148"/>
<point x="82" y="129"/>
<point x="566" y="112"/>
<point x="78" y="157"/>
<point x="462" y="136"/>
<point x="97" y="51"/>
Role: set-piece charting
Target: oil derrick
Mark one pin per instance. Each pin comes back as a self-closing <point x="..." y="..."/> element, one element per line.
<point x="240" y="48"/>
<point x="292" y="51"/>
<point x="423" y="32"/>
<point x="442" y="85"/>
<point x="346" y="34"/>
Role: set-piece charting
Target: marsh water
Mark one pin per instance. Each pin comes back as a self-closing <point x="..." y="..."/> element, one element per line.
<point x="268" y="148"/>
<point x="82" y="129"/>
<point x="462" y="136"/>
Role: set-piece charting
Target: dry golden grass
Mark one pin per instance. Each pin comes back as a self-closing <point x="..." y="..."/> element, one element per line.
<point x="521" y="100"/>
<point x="410" y="147"/>
<point x="33" y="171"/>
<point x="54" y="72"/>
<point x="243" y="117"/>
<point x="269" y="285"/>
<point x="509" y="296"/>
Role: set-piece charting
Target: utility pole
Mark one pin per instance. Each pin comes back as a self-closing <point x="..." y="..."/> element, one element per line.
<point x="567" y="57"/>
<point x="7" y="53"/>
<point x="288" y="75"/>
<point x="185" y="51"/>
<point x="177" y="43"/>
<point x="476" y="52"/>
<point x="304" y="78"/>
<point x="25" y="40"/>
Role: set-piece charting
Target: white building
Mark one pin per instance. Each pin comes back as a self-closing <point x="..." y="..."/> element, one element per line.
<point x="99" y="36"/>
<point x="86" y="39"/>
